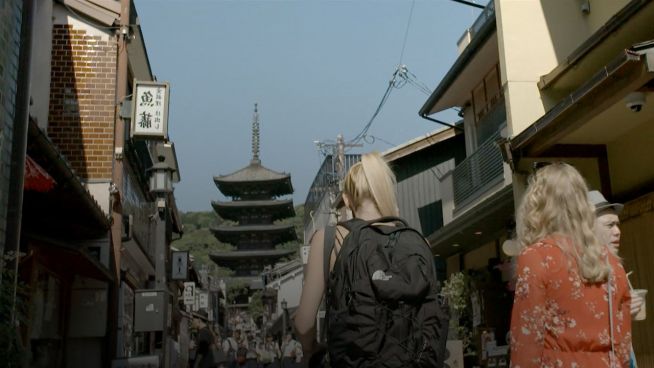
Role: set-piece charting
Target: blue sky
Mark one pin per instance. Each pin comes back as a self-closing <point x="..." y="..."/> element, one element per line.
<point x="316" y="68"/>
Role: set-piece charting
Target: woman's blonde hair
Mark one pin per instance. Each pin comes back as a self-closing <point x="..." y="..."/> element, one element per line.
<point x="373" y="179"/>
<point x="556" y="204"/>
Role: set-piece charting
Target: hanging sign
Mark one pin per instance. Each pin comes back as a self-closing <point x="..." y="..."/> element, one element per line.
<point x="304" y="253"/>
<point x="189" y="293"/>
<point x="150" y="110"/>
<point x="179" y="265"/>
<point x="204" y="300"/>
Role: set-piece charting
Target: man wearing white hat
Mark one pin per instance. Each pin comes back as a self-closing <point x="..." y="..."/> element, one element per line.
<point x="607" y="230"/>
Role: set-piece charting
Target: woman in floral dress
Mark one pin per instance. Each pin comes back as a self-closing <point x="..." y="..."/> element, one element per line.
<point x="562" y="316"/>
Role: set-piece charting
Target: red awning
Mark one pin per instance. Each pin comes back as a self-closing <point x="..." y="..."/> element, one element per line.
<point x="36" y="178"/>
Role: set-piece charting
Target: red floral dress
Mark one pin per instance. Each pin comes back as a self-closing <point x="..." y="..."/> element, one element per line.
<point x="560" y="321"/>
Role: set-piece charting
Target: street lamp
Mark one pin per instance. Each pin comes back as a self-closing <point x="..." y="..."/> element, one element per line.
<point x="161" y="177"/>
<point x="160" y="186"/>
<point x="284" y="306"/>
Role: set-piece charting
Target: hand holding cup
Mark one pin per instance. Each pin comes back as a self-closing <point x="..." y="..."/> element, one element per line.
<point x="638" y="311"/>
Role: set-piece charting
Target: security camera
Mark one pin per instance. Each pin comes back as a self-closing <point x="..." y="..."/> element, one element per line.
<point x="635" y="101"/>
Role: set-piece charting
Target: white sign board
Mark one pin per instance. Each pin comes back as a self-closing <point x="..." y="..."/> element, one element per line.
<point x="304" y="253"/>
<point x="189" y="293"/>
<point x="179" y="265"/>
<point x="150" y="110"/>
<point x="204" y="300"/>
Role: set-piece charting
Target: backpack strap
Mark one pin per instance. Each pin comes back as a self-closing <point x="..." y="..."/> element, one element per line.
<point x="389" y="219"/>
<point x="330" y="238"/>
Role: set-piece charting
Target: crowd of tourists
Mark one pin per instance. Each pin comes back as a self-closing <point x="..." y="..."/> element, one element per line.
<point x="211" y="350"/>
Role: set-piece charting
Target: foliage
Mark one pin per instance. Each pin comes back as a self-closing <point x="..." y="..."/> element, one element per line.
<point x="255" y="309"/>
<point x="199" y="240"/>
<point x="234" y="288"/>
<point x="11" y="351"/>
<point x="457" y="291"/>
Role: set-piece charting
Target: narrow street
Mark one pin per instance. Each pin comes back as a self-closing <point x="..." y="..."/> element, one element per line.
<point x="169" y="169"/>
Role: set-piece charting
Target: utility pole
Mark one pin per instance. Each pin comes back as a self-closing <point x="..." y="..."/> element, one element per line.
<point x="340" y="155"/>
<point x="339" y="167"/>
<point x="122" y="36"/>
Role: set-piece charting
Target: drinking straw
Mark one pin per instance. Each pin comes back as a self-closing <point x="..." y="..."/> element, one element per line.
<point x="629" y="282"/>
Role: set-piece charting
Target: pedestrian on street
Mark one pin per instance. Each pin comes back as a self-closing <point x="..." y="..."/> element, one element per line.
<point x="270" y="353"/>
<point x="230" y="347"/>
<point x="291" y="351"/>
<point x="396" y="319"/>
<point x="607" y="230"/>
<point x="205" y="341"/>
<point x="564" y="312"/>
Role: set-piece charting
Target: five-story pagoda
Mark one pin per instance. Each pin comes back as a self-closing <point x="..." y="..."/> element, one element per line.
<point x="255" y="207"/>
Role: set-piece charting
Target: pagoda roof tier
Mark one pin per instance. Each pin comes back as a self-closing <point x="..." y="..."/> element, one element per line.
<point x="277" y="233"/>
<point x="255" y="181"/>
<point x="251" y="255"/>
<point x="279" y="209"/>
<point x="254" y="260"/>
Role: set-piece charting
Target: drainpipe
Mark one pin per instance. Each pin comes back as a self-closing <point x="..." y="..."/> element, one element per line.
<point x="426" y="117"/>
<point x="19" y="144"/>
<point x="117" y="174"/>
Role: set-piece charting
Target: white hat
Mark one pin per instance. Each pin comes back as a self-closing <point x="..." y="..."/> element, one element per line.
<point x="600" y="203"/>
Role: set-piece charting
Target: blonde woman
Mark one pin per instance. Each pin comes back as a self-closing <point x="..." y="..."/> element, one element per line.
<point x="564" y="313"/>
<point x="362" y="330"/>
<point x="367" y="202"/>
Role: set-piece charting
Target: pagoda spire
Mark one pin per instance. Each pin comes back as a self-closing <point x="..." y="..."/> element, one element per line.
<point x="255" y="136"/>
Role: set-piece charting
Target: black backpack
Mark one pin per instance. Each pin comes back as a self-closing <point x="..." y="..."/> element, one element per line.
<point x="383" y="308"/>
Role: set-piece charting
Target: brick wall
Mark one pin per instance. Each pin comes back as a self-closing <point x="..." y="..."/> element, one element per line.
<point x="10" y="22"/>
<point x="82" y="93"/>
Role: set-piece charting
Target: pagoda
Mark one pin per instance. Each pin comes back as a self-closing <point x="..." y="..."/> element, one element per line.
<point x="255" y="207"/>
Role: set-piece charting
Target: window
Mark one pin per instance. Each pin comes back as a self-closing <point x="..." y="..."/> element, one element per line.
<point x="486" y="94"/>
<point x="431" y="217"/>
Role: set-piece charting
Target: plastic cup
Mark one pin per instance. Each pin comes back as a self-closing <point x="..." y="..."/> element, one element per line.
<point x="642" y="313"/>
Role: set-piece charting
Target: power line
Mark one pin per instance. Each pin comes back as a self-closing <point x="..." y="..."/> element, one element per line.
<point x="406" y="32"/>
<point x="469" y="3"/>
<point x="387" y="93"/>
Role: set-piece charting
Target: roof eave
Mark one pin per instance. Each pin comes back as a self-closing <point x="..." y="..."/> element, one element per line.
<point x="105" y="12"/>
<point x="594" y="41"/>
<point x="459" y="65"/>
<point x="521" y="143"/>
<point x="419" y="144"/>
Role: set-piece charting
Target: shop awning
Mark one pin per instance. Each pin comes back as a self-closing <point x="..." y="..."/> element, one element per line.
<point x="36" y="178"/>
<point x="68" y="258"/>
<point x="66" y="210"/>
<point x="476" y="227"/>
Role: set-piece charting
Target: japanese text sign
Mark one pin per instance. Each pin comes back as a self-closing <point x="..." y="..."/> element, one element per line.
<point x="189" y="293"/>
<point x="150" y="109"/>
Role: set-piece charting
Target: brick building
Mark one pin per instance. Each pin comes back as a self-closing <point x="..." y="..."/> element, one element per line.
<point x="89" y="235"/>
<point x="82" y="88"/>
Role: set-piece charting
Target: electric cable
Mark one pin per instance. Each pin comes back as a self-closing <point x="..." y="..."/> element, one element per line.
<point x="406" y="31"/>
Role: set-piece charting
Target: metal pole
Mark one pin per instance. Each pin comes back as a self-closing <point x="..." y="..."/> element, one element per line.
<point x="283" y="323"/>
<point x="19" y="145"/>
<point x="122" y="66"/>
<point x="340" y="157"/>
<point x="161" y="251"/>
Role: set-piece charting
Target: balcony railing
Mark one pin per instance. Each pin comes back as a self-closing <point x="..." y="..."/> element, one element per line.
<point x="477" y="171"/>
